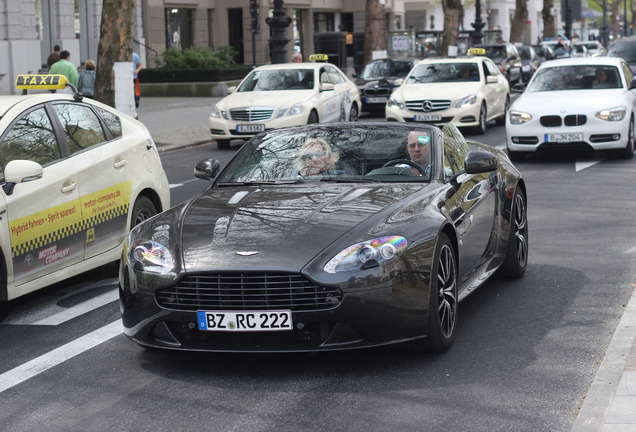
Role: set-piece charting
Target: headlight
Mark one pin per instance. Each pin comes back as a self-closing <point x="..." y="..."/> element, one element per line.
<point x="215" y="112"/>
<point x="525" y="68"/>
<point x="517" y="117"/>
<point x="151" y="255"/>
<point x="371" y="253"/>
<point x="464" y="102"/>
<point x="613" y="114"/>
<point x="394" y="103"/>
<point x="296" y="109"/>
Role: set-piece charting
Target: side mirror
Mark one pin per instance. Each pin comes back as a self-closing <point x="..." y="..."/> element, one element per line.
<point x="480" y="162"/>
<point x="490" y="79"/>
<point x="207" y="169"/>
<point x="20" y="171"/>
<point x="518" y="88"/>
<point x="632" y="85"/>
<point x="326" y="87"/>
<point x="398" y="82"/>
<point x="355" y="74"/>
<point x="231" y="89"/>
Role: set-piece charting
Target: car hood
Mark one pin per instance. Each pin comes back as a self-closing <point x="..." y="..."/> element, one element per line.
<point x="574" y="101"/>
<point x="437" y="90"/>
<point x="280" y="228"/>
<point x="264" y="98"/>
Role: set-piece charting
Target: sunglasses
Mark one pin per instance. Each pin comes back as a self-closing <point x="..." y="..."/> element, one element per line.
<point x="309" y="156"/>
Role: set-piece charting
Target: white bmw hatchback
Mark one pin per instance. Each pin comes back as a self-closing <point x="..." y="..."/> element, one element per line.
<point x="575" y="103"/>
<point x="281" y="95"/>
<point x="75" y="176"/>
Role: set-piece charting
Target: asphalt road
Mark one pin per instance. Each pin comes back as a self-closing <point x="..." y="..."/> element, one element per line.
<point x="523" y="360"/>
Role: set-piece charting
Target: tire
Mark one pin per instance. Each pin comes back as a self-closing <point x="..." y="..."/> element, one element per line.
<point x="516" y="262"/>
<point x="223" y="144"/>
<point x="483" y="122"/>
<point x="501" y="121"/>
<point x="142" y="210"/>
<point x="353" y="113"/>
<point x="628" y="151"/>
<point x="313" y="117"/>
<point x="442" y="312"/>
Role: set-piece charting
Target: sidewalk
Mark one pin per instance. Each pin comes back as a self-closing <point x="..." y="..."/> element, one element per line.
<point x="610" y="404"/>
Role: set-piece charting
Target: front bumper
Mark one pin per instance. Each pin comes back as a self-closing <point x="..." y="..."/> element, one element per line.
<point x="460" y="117"/>
<point x="228" y="129"/>
<point x="596" y="134"/>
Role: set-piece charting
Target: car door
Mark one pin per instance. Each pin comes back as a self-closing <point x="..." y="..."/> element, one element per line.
<point x="42" y="216"/>
<point x="329" y="100"/>
<point x="102" y="161"/>
<point x="472" y="208"/>
<point x="496" y="92"/>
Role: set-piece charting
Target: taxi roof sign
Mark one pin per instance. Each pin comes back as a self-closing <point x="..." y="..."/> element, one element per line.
<point x="318" y="57"/>
<point x="45" y="82"/>
<point x="477" y="51"/>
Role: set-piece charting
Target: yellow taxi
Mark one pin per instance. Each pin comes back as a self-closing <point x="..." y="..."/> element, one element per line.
<point x="280" y="95"/>
<point x="465" y="91"/>
<point x="75" y="176"/>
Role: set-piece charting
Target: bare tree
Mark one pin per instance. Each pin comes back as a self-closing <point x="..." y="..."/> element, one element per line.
<point x="519" y="21"/>
<point x="375" y="32"/>
<point x="548" y="19"/>
<point x="115" y="45"/>
<point x="453" y="9"/>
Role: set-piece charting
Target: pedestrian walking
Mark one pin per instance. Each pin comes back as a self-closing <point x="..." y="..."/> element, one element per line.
<point x="137" y="66"/>
<point x="54" y="57"/>
<point x="64" y="67"/>
<point x="86" y="81"/>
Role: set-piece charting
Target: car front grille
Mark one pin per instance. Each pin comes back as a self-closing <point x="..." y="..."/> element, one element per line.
<point x="252" y="114"/>
<point x="551" y="121"/>
<point x="432" y="105"/>
<point x="575" y="120"/>
<point x="248" y="291"/>
<point x="377" y="92"/>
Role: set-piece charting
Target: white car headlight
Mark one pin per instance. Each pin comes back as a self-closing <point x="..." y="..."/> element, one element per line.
<point x="150" y="257"/>
<point x="612" y="114"/>
<point x="525" y="68"/>
<point x="215" y="112"/>
<point x="369" y="253"/>
<point x="394" y="103"/>
<point x="296" y="109"/>
<point x="467" y="101"/>
<point x="517" y="117"/>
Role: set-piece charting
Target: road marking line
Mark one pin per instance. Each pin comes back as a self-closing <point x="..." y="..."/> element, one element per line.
<point x="580" y="166"/>
<point x="59" y="355"/>
<point x="80" y="309"/>
<point x="175" y="185"/>
<point x="501" y="146"/>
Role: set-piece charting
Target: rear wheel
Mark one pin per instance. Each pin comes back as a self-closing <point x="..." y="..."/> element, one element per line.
<point x="442" y="310"/>
<point x="628" y="151"/>
<point x="517" y="253"/>
<point x="223" y="144"/>
<point x="142" y="210"/>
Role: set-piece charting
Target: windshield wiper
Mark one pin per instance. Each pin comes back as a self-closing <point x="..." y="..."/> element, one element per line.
<point x="349" y="180"/>
<point x="260" y="183"/>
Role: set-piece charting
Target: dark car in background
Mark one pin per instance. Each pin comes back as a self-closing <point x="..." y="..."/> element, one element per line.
<point x="530" y="62"/>
<point x="545" y="52"/>
<point x="625" y="48"/>
<point x="507" y="58"/>
<point x="376" y="81"/>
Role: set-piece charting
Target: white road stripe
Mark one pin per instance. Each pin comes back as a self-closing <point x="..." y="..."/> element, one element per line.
<point x="580" y="166"/>
<point x="59" y="355"/>
<point x="80" y="309"/>
<point x="175" y="185"/>
<point x="501" y="146"/>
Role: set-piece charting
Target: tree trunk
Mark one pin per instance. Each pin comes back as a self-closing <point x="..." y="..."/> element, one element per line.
<point x="115" y="45"/>
<point x="375" y="34"/>
<point x="616" y="17"/>
<point x="453" y="9"/>
<point x="519" y="21"/>
<point x="548" y="19"/>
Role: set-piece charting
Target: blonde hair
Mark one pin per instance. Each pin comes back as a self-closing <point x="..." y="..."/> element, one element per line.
<point x="332" y="158"/>
<point x="89" y="65"/>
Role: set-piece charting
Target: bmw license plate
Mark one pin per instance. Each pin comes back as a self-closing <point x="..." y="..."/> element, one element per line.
<point x="428" y="117"/>
<point x="563" y="137"/>
<point x="376" y="100"/>
<point x="273" y="320"/>
<point x="250" y="128"/>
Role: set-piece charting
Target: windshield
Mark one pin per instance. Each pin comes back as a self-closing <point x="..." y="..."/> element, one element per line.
<point x="444" y="72"/>
<point x="278" y="79"/>
<point x="339" y="153"/>
<point x="525" y="54"/>
<point x="626" y="50"/>
<point x="496" y="53"/>
<point x="386" y="69"/>
<point x="579" y="77"/>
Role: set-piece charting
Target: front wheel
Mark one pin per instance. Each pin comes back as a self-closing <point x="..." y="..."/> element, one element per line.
<point x="482" y="126"/>
<point x="516" y="260"/>
<point x="313" y="118"/>
<point x="442" y="309"/>
<point x="628" y="151"/>
<point x="223" y="144"/>
<point x="353" y="113"/>
<point x="143" y="209"/>
<point x="501" y="121"/>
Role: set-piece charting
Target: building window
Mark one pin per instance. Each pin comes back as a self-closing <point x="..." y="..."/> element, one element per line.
<point x="179" y="28"/>
<point x="323" y="21"/>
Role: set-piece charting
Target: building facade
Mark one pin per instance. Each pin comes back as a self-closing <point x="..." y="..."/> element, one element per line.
<point x="30" y="28"/>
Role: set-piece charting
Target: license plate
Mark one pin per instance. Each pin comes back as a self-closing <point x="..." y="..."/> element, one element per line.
<point x="242" y="321"/>
<point x="563" y="137"/>
<point x="376" y="100"/>
<point x="428" y="117"/>
<point x="250" y="128"/>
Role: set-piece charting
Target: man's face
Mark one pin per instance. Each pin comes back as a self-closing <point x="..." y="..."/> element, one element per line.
<point x="419" y="148"/>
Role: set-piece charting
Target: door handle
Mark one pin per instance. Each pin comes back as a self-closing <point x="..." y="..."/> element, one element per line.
<point x="120" y="163"/>
<point x="69" y="187"/>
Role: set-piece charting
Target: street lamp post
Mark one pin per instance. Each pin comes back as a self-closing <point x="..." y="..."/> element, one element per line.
<point x="477" y="35"/>
<point x="278" y="23"/>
